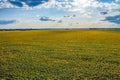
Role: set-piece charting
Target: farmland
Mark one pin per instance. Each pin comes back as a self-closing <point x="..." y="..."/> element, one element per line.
<point x="60" y="55"/>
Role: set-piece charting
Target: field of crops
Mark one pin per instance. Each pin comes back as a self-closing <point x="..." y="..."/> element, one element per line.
<point x="60" y="55"/>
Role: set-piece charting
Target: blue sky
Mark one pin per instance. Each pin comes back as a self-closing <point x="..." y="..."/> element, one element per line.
<point x="17" y="14"/>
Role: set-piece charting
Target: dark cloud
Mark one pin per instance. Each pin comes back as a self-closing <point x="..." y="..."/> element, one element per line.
<point x="69" y="16"/>
<point x="103" y="13"/>
<point x="66" y="16"/>
<point x="113" y="19"/>
<point x="5" y="22"/>
<point x="44" y="18"/>
<point x="60" y="21"/>
<point x="30" y="3"/>
<point x="74" y="15"/>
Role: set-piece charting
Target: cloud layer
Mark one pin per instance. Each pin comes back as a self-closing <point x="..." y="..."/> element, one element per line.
<point x="84" y="7"/>
<point x="71" y="5"/>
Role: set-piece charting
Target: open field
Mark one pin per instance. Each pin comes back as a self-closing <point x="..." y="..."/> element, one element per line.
<point x="60" y="55"/>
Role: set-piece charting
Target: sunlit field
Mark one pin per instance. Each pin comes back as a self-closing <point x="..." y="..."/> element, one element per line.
<point x="60" y="55"/>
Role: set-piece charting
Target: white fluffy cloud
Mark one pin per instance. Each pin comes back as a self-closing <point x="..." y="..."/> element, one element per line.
<point x="5" y="4"/>
<point x="83" y="5"/>
<point x="71" y="5"/>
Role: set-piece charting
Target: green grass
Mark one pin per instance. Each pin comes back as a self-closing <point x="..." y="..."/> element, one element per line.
<point x="60" y="55"/>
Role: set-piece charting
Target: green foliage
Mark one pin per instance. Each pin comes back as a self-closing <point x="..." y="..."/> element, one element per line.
<point x="60" y="55"/>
